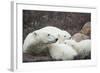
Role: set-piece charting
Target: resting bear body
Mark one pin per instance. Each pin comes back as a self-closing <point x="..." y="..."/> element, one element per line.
<point x="62" y="51"/>
<point x="83" y="47"/>
<point x="36" y="41"/>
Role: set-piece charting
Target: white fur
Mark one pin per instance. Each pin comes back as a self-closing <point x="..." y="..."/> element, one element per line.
<point x="37" y="41"/>
<point x="62" y="51"/>
<point x="83" y="47"/>
<point x="63" y="35"/>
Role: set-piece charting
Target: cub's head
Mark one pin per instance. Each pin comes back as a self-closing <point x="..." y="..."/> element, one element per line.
<point x="70" y="42"/>
<point x="64" y="35"/>
<point x="45" y="37"/>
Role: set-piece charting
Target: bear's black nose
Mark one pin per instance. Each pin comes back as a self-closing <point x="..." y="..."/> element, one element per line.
<point x="56" y="39"/>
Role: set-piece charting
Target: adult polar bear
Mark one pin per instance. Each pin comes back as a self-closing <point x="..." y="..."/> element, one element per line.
<point x="37" y="41"/>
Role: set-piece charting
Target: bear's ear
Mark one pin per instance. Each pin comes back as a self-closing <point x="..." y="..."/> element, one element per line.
<point x="35" y="34"/>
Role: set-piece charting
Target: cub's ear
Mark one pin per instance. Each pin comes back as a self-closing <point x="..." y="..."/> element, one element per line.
<point x="35" y="34"/>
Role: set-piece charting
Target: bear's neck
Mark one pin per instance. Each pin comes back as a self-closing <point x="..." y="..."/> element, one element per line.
<point x="39" y="42"/>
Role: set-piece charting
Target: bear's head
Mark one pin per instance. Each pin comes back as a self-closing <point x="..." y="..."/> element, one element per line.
<point x="45" y="37"/>
<point x="64" y="35"/>
<point x="70" y="42"/>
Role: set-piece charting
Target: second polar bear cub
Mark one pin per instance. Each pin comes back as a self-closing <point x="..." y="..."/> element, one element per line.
<point x="62" y="51"/>
<point x="83" y="47"/>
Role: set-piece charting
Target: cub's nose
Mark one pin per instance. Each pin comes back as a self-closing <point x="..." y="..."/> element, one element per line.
<point x="56" y="39"/>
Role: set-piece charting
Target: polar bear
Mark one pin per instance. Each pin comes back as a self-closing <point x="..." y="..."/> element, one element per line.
<point x="62" y="34"/>
<point x="83" y="47"/>
<point x="36" y="41"/>
<point x="61" y="51"/>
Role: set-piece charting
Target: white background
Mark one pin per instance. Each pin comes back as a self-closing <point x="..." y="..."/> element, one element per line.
<point x="5" y="35"/>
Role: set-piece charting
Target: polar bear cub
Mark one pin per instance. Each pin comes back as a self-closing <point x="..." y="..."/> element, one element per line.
<point x="83" y="47"/>
<point x="36" y="41"/>
<point x="62" y="52"/>
<point x="63" y="35"/>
